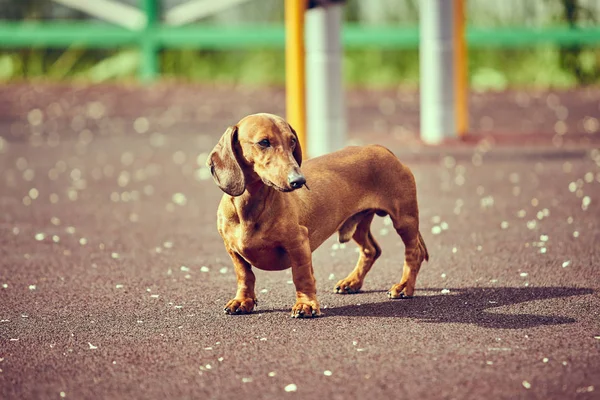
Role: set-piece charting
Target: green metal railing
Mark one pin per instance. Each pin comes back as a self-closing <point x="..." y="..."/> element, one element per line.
<point x="156" y="36"/>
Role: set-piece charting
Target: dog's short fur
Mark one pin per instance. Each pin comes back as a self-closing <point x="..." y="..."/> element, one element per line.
<point x="270" y="221"/>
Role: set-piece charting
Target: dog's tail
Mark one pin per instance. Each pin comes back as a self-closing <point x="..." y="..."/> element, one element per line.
<point x="423" y="248"/>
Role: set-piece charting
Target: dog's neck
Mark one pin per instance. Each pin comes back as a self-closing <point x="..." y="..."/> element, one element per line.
<point x="254" y="201"/>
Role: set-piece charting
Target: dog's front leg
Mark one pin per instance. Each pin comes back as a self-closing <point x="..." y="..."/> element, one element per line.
<point x="245" y="298"/>
<point x="307" y="304"/>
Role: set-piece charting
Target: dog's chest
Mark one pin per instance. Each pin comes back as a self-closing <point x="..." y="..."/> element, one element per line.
<point x="257" y="246"/>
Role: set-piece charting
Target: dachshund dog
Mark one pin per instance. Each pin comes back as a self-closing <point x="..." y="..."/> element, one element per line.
<point x="273" y="214"/>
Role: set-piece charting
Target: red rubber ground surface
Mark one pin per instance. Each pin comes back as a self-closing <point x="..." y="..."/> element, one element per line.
<point x="113" y="277"/>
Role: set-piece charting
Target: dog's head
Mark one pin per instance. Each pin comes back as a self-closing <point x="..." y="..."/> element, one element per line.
<point x="261" y="147"/>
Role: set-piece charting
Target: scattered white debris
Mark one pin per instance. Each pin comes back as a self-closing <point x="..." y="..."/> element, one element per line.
<point x="92" y="347"/>
<point x="208" y="366"/>
<point x="576" y="234"/>
<point x="523" y="274"/>
<point x="114" y="255"/>
<point x="543" y="250"/>
<point x="443" y="275"/>
<point x="327" y="373"/>
<point x="272" y="374"/>
<point x="585" y="202"/>
<point x="504" y="224"/>
<point x="246" y="380"/>
<point x="436" y="230"/>
<point x="454" y="250"/>
<point x="585" y="389"/>
<point x="290" y="282"/>
<point x="63" y="394"/>
<point x="291" y="388"/>
<point x="119" y="286"/>
<point x="83" y="241"/>
<point x="32" y="287"/>
<point x="445" y="291"/>
<point x="183" y="268"/>
<point x="204" y="268"/>
<point x="526" y="385"/>
<point x="4" y="285"/>
<point x="40" y="236"/>
<point x="545" y="360"/>
<point x="179" y="199"/>
<point x="220" y="359"/>
<point x="155" y="296"/>
<point x="489" y="362"/>
<point x="264" y="290"/>
<point x="566" y="263"/>
<point x="208" y="348"/>
<point x="223" y="270"/>
<point x="331" y="277"/>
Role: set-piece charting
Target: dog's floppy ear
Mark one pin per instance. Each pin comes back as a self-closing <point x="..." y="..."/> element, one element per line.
<point x="224" y="165"/>
<point x="298" y="148"/>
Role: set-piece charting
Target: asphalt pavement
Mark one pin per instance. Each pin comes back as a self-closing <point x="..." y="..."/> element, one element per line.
<point x="113" y="277"/>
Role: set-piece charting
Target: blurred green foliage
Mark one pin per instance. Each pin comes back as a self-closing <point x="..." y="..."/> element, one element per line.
<point x="488" y="69"/>
<point x="544" y="66"/>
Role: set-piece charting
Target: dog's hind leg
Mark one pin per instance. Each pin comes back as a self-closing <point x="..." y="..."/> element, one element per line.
<point x="414" y="254"/>
<point x="369" y="252"/>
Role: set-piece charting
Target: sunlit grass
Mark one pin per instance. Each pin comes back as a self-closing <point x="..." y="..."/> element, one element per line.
<point x="488" y="68"/>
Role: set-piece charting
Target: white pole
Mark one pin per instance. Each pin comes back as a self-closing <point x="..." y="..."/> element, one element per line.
<point x="437" y="71"/>
<point x="325" y="108"/>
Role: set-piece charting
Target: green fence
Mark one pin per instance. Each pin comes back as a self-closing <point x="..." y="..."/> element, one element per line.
<point x="156" y="36"/>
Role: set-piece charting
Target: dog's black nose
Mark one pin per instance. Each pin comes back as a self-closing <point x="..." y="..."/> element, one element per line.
<point x="296" y="180"/>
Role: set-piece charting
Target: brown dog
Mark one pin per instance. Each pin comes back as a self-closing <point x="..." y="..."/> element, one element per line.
<point x="268" y="223"/>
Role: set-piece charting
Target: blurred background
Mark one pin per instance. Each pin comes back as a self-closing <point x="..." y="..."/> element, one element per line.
<point x="496" y="61"/>
<point x="113" y="276"/>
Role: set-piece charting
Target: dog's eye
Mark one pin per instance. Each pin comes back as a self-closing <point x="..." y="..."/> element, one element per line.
<point x="264" y="143"/>
<point x="293" y="142"/>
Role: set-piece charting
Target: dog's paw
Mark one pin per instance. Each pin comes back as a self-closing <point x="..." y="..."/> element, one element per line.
<point x="400" y="292"/>
<point x="347" y="286"/>
<point x="306" y="309"/>
<point x="240" y="306"/>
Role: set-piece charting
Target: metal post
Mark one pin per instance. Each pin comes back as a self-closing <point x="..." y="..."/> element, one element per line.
<point x="460" y="69"/>
<point x="149" y="65"/>
<point x="294" y="68"/>
<point x="437" y="71"/>
<point x="326" y="121"/>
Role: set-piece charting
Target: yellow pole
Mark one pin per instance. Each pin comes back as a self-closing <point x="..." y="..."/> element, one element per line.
<point x="294" y="68"/>
<point x="460" y="69"/>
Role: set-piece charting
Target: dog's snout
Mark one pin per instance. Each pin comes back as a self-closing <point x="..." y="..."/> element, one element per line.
<point x="296" y="180"/>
